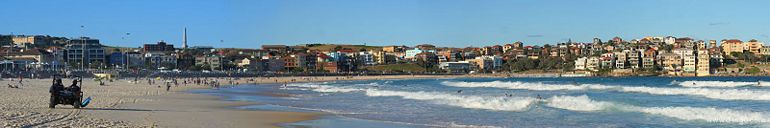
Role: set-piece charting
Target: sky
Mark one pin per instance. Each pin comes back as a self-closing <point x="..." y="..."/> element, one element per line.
<point x="453" y="23"/>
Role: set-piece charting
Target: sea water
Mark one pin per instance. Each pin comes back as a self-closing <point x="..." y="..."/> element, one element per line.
<point x="520" y="102"/>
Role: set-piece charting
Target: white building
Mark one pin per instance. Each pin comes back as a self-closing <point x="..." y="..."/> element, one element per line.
<point x="456" y="67"/>
<point x="593" y="64"/>
<point x="580" y="63"/>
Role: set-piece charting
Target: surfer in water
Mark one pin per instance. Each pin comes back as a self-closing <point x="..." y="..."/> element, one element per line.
<point x="539" y="98"/>
<point x="459" y="91"/>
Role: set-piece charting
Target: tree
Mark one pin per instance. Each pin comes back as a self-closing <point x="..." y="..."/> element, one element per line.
<point x="524" y="64"/>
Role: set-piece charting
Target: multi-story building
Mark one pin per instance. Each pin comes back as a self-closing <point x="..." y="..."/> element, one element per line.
<point x="185" y="61"/>
<point x="30" y="40"/>
<point x="412" y="52"/>
<point x="366" y="59"/>
<point x="622" y="60"/>
<point x="159" y="60"/>
<point x="730" y="46"/>
<point x="214" y="62"/>
<point x="753" y="46"/>
<point x="85" y="52"/>
<point x="507" y="48"/>
<point x="580" y="63"/>
<point x="712" y="44"/>
<point x="161" y="46"/>
<point x="456" y="67"/>
<point x="29" y="59"/>
<point x="703" y="63"/>
<point x="634" y="59"/>
<point x="671" y="62"/>
<point x="270" y="64"/>
<point x="648" y="58"/>
<point x="765" y="50"/>
<point x="608" y="60"/>
<point x="593" y="63"/>
<point x="133" y="60"/>
<point x="689" y="61"/>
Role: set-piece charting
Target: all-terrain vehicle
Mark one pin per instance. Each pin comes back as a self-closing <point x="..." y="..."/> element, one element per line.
<point x="71" y="95"/>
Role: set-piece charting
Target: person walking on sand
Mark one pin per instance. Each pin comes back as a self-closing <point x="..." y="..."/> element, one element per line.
<point x="168" y="86"/>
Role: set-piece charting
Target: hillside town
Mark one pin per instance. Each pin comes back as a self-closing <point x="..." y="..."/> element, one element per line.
<point x="667" y="56"/>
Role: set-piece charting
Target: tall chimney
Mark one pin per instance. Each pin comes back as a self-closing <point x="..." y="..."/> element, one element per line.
<point x="184" y="39"/>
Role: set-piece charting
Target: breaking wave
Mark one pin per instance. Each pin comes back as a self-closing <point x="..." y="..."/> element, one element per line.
<point x="526" y="85"/>
<point x="581" y="103"/>
<point x="577" y="103"/>
<point x="474" y="102"/>
<point x="717" y="84"/>
<point x="712" y="93"/>
<point x="585" y="104"/>
<point x="324" y="88"/>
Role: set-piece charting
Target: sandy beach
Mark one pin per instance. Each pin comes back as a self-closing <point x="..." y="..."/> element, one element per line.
<point x="122" y="103"/>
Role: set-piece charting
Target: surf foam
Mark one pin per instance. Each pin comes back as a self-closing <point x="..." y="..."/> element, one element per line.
<point x="577" y="103"/>
<point x="585" y="104"/>
<point x="474" y="102"/>
<point x="712" y="93"/>
<point x="324" y="88"/>
<point x="716" y="84"/>
<point x="525" y="85"/>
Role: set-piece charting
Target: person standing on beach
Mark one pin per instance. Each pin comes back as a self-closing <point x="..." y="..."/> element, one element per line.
<point x="20" y="81"/>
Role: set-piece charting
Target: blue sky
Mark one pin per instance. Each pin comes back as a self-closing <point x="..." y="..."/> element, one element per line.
<point x="457" y="23"/>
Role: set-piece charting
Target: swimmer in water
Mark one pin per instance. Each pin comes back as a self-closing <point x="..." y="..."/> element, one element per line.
<point x="538" y="97"/>
<point x="459" y="91"/>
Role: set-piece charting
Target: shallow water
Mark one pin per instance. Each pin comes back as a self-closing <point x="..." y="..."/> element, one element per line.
<point x="522" y="102"/>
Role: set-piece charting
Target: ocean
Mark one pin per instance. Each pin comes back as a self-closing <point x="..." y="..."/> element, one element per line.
<point x="519" y="102"/>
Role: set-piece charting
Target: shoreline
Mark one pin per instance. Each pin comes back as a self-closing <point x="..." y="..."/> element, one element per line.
<point x="246" y="118"/>
<point x="125" y="104"/>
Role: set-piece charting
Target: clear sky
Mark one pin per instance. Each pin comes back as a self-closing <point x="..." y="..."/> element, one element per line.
<point x="457" y="23"/>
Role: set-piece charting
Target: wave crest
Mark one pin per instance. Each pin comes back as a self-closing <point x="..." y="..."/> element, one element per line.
<point x="583" y="103"/>
<point x="716" y="84"/>
<point x="324" y="88"/>
<point x="526" y="85"/>
<point x="475" y="102"/>
<point x="712" y="93"/>
<point x="577" y="103"/>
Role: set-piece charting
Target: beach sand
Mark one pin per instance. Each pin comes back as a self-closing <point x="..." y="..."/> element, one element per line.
<point x="125" y="104"/>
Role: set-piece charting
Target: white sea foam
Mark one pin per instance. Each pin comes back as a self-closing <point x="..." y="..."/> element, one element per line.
<point x="722" y="94"/>
<point x="526" y="85"/>
<point x="474" y="102"/>
<point x="583" y="103"/>
<point x="455" y="125"/>
<point x="707" y="114"/>
<point x="712" y="93"/>
<point x="577" y="103"/>
<point x="324" y="88"/>
<point x="716" y="84"/>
